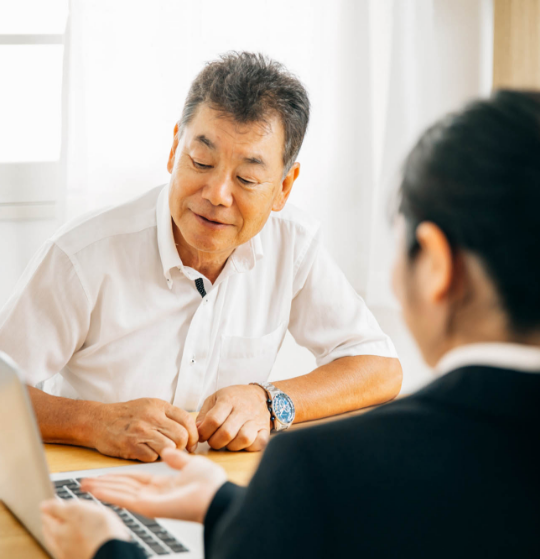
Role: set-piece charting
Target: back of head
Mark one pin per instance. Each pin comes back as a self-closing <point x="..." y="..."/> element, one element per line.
<point x="476" y="174"/>
<point x="249" y="88"/>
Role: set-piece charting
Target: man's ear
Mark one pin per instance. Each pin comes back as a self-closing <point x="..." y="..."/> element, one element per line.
<point x="170" y="163"/>
<point x="434" y="262"/>
<point x="286" y="187"/>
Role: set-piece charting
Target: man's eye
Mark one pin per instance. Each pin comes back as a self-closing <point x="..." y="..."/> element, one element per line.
<point x="246" y="182"/>
<point x="201" y="165"/>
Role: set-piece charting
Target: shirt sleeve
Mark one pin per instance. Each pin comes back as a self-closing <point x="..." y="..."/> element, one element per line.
<point x="117" y="549"/>
<point x="279" y="512"/>
<point x="47" y="318"/>
<point x="328" y="317"/>
<point x="220" y="504"/>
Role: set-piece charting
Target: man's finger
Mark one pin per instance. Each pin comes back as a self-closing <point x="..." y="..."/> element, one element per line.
<point x="213" y="420"/>
<point x="158" y="442"/>
<point x="263" y="436"/>
<point x="184" y="418"/>
<point x="206" y="407"/>
<point x="143" y="453"/>
<point x="228" y="431"/>
<point x="176" y="432"/>
<point x="245" y="437"/>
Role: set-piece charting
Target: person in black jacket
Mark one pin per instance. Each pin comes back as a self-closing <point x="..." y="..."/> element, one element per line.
<point x="451" y="471"/>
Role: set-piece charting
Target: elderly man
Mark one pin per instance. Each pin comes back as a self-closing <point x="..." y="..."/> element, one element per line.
<point x="179" y="300"/>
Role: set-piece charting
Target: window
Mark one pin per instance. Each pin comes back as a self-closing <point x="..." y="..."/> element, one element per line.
<point x="32" y="62"/>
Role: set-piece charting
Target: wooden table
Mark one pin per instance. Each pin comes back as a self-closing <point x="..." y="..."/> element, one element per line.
<point x="16" y="542"/>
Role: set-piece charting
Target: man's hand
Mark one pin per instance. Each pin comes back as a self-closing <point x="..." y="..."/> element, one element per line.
<point x="77" y="530"/>
<point x="235" y="417"/>
<point x="142" y="429"/>
<point x="185" y="496"/>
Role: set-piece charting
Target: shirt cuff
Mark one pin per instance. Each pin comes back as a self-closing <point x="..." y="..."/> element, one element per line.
<point x="113" y="549"/>
<point x="221" y="502"/>
<point x="381" y="348"/>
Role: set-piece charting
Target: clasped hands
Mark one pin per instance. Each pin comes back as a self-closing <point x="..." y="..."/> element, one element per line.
<point x="235" y="418"/>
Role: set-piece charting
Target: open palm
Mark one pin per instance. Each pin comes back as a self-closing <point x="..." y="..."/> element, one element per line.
<point x="184" y="496"/>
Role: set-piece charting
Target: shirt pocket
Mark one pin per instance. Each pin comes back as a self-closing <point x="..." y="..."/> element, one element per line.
<point x="243" y="360"/>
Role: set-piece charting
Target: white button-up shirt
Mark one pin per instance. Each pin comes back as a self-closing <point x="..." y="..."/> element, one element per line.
<point x="109" y="306"/>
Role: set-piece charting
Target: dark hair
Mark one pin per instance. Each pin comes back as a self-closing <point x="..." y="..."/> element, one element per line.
<point x="251" y="87"/>
<point x="476" y="175"/>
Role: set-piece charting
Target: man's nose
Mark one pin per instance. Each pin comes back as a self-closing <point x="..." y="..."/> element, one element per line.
<point x="218" y="190"/>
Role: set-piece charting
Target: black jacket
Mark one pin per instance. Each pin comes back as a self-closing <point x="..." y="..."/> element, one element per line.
<point x="452" y="471"/>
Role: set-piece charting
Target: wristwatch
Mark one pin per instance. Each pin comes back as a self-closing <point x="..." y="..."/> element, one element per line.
<point x="280" y="406"/>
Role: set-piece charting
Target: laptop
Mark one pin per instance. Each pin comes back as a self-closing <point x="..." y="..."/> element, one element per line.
<point x="25" y="480"/>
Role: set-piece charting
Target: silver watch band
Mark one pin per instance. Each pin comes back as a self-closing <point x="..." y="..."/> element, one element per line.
<point x="272" y="392"/>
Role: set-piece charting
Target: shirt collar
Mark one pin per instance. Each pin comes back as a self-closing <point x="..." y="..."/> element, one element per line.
<point x="246" y="256"/>
<point x="243" y="259"/>
<point x="167" y="247"/>
<point x="518" y="357"/>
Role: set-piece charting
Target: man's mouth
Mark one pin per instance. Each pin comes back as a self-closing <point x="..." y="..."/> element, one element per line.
<point x="210" y="222"/>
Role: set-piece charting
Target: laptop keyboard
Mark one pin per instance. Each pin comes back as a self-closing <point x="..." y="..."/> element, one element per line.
<point x="149" y="536"/>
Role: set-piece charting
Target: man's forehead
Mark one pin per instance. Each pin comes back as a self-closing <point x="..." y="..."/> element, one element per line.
<point x="216" y="130"/>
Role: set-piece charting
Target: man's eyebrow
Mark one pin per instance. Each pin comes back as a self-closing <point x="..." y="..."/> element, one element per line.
<point x="204" y="140"/>
<point x="255" y="160"/>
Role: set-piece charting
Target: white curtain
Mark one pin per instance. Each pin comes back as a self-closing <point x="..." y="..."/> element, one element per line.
<point x="378" y="71"/>
<point x="428" y="57"/>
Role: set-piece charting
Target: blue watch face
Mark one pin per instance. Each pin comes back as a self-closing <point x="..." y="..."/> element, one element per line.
<point x="283" y="408"/>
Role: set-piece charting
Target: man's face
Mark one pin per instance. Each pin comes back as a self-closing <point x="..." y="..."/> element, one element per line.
<point x="226" y="179"/>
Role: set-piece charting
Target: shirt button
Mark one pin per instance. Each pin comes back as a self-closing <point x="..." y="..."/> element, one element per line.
<point x="192" y="360"/>
<point x="207" y="300"/>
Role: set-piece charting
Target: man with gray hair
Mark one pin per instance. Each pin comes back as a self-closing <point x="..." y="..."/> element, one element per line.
<point x="131" y="317"/>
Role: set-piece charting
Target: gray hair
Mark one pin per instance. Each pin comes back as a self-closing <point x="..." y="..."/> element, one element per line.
<point x="251" y="87"/>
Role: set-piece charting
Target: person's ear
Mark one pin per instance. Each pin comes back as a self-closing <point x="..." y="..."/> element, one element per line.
<point x="170" y="162"/>
<point x="286" y="187"/>
<point x="434" y="262"/>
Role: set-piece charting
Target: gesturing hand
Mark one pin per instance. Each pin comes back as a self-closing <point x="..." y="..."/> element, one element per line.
<point x="235" y="417"/>
<point x="141" y="429"/>
<point x="77" y="530"/>
<point x="185" y="496"/>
